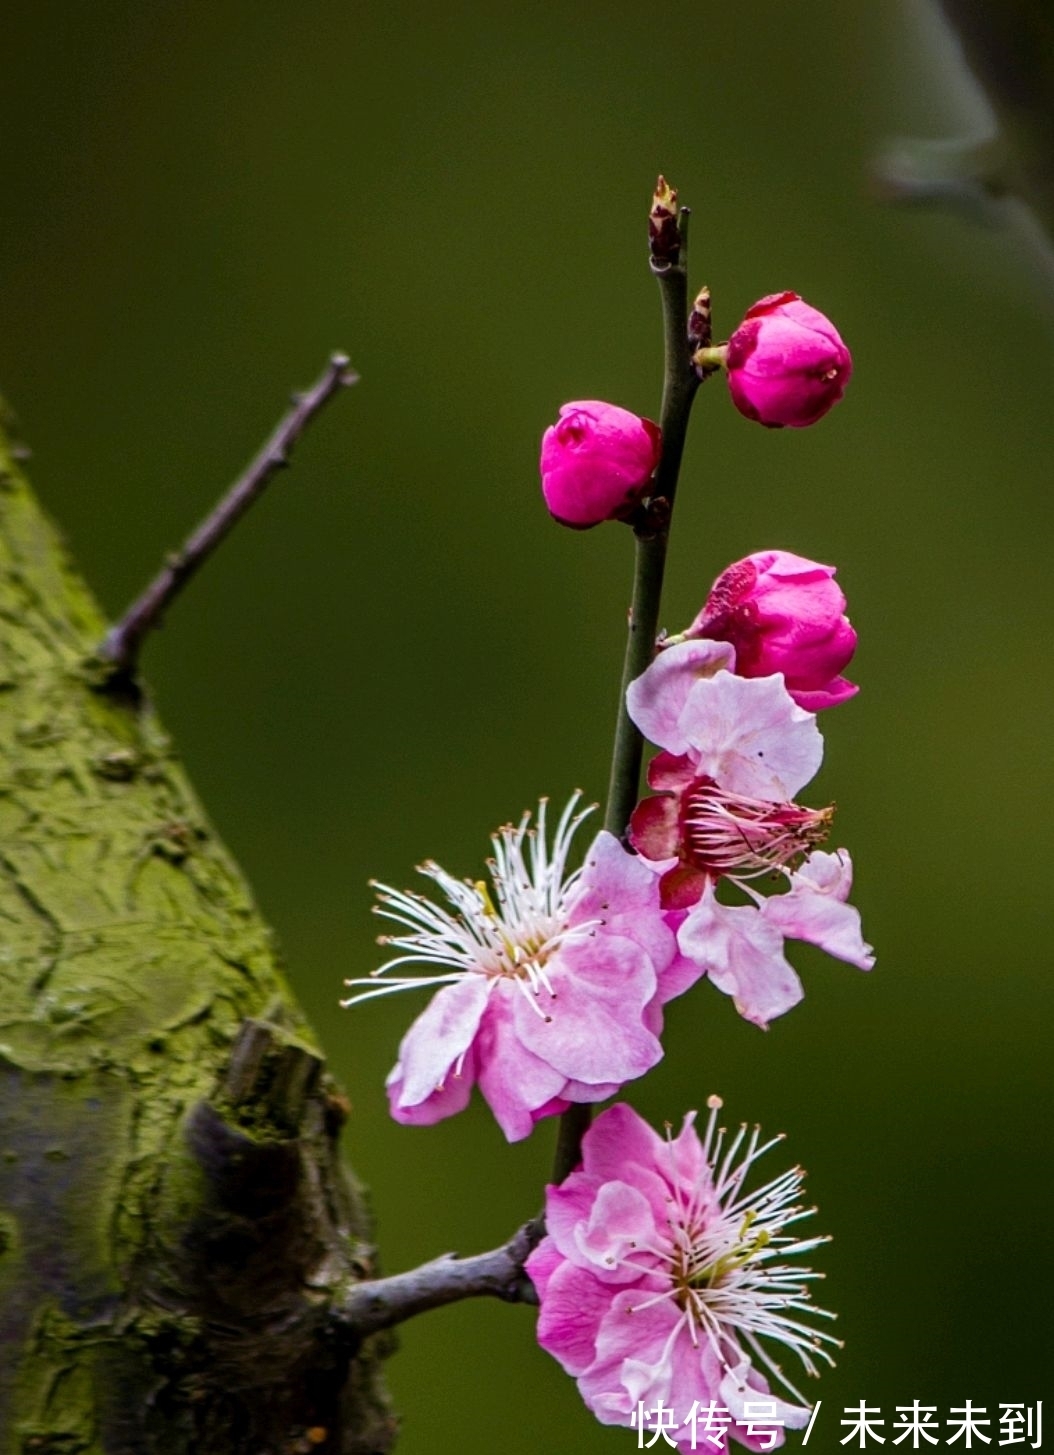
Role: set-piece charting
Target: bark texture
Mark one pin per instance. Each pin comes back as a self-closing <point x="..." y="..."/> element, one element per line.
<point x="175" y="1226"/>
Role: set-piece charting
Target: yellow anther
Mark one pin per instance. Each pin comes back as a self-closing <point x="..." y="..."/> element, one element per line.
<point x="480" y="886"/>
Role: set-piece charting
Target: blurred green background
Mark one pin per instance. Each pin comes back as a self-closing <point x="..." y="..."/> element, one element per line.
<point x="399" y="651"/>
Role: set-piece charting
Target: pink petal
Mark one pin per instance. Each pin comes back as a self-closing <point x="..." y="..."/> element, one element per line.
<point x="452" y="1097"/>
<point x="592" y="1027"/>
<point x="438" y="1037"/>
<point x="839" y="689"/>
<point x="620" y="889"/>
<point x="814" y="909"/>
<point x="620" y="1220"/>
<point x="751" y="737"/>
<point x="514" y="1081"/>
<point x="567" y="1205"/>
<point x="656" y="698"/>
<point x="618" y="1139"/>
<point x="686" y="1155"/>
<point x="574" y="1304"/>
<point x="620" y="1146"/>
<point x="743" y="1386"/>
<point x="630" y="1331"/>
<point x="555" y="1107"/>
<point x="542" y="1262"/>
<point x="680" y="975"/>
<point x="591" y="1091"/>
<point x="678" y="1377"/>
<point x="743" y="955"/>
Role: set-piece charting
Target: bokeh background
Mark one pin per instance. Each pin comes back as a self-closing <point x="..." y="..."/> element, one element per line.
<point x="399" y="651"/>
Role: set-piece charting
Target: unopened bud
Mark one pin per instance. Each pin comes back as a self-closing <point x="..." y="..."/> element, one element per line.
<point x="783" y="613"/>
<point x="597" y="462"/>
<point x="786" y="362"/>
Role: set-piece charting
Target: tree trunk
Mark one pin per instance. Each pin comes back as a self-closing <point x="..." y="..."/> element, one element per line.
<point x="175" y="1226"/>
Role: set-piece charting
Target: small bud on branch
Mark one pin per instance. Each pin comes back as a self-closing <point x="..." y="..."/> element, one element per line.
<point x="664" y="235"/>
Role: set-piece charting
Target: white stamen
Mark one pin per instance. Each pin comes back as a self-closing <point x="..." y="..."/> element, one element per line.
<point x="716" y="1254"/>
<point x="509" y="931"/>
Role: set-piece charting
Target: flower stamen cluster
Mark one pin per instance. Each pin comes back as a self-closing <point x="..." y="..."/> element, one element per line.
<point x="681" y="1272"/>
<point x="547" y="980"/>
<point x="513" y="939"/>
<point x="732" y="834"/>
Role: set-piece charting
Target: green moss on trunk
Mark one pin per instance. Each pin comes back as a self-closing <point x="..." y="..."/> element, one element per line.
<point x="174" y="1223"/>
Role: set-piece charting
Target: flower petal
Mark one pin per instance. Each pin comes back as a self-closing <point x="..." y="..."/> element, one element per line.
<point x="653" y="827"/>
<point x="743" y="955"/>
<point x="619" y="1221"/>
<point x="574" y="1304"/>
<point x="815" y="909"/>
<point x="744" y="1386"/>
<point x="839" y="689"/>
<point x="656" y="698"/>
<point x="592" y="1029"/>
<point x="632" y="1329"/>
<point x="514" y="1081"/>
<point x="621" y="890"/>
<point x="445" y="1101"/>
<point x="750" y="736"/>
<point x="438" y="1037"/>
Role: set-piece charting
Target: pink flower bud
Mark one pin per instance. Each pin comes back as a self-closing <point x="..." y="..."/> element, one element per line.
<point x="785" y="614"/>
<point x="786" y="363"/>
<point x="597" y="461"/>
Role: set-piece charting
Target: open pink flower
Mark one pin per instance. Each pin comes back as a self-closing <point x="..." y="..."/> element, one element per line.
<point x="597" y="462"/>
<point x="783" y="613"/>
<point x="661" y="1279"/>
<point x="548" y="986"/>
<point x="736" y="751"/>
<point x="786" y="362"/>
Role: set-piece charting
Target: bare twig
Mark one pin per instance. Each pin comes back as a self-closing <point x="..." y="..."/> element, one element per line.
<point x="121" y="647"/>
<point x="384" y="1302"/>
<point x="669" y="264"/>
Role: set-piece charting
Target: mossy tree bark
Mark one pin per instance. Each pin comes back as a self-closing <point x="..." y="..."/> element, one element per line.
<point x="176" y="1230"/>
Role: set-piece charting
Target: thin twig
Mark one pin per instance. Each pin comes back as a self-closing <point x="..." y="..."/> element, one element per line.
<point x="680" y="382"/>
<point x="384" y="1302"/>
<point x="123" y="642"/>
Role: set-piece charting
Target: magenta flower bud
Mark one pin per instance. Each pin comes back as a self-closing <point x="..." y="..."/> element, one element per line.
<point x="597" y="462"/>
<point x="783" y="613"/>
<point x="786" y="363"/>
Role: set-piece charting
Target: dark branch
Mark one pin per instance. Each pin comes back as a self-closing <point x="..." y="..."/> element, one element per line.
<point x="122" y="644"/>
<point x="669" y="264"/>
<point x="384" y="1302"/>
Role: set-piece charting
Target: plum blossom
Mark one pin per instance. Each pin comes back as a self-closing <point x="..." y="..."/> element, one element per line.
<point x="783" y="613"/>
<point x="736" y="750"/>
<point x="546" y="981"/>
<point x="661" y="1278"/>
<point x="597" y="462"/>
<point x="787" y="363"/>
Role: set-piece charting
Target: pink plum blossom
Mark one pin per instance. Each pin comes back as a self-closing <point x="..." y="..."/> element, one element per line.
<point x="786" y="362"/>
<point x="548" y="982"/>
<point x="597" y="462"/>
<point x="783" y="613"/>
<point x="662" y="1279"/>
<point x="736" y="750"/>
